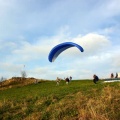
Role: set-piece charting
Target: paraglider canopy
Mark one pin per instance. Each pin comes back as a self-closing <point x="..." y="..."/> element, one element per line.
<point x="60" y="48"/>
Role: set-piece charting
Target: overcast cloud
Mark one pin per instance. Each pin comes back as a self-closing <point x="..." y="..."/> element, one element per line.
<point x="30" y="29"/>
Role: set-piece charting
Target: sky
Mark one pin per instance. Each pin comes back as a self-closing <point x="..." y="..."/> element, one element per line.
<point x="29" y="29"/>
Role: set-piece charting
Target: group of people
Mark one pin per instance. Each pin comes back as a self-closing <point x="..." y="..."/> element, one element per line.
<point x="112" y="75"/>
<point x="67" y="80"/>
<point x="96" y="78"/>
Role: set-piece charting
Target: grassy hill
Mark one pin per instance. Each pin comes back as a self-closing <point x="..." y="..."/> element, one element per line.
<point x="80" y="100"/>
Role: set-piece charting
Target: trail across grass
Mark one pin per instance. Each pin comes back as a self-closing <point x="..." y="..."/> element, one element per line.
<point x="81" y="99"/>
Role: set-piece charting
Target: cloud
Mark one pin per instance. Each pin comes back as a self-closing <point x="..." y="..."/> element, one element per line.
<point x="115" y="58"/>
<point x="30" y="29"/>
<point x="33" y="18"/>
<point x="81" y="65"/>
<point x="112" y="8"/>
<point x="49" y="73"/>
<point x="92" y="43"/>
<point x="9" y="70"/>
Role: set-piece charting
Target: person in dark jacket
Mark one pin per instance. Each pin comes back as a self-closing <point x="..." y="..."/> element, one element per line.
<point x="95" y="78"/>
<point x="67" y="80"/>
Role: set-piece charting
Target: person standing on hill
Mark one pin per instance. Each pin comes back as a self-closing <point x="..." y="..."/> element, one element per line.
<point x="95" y="78"/>
<point x="58" y="80"/>
<point x="112" y="75"/>
<point x="67" y="80"/>
<point x="70" y="78"/>
<point x="116" y="75"/>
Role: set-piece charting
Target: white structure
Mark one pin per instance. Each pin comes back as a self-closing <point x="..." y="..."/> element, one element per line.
<point x="118" y="75"/>
<point x="112" y="81"/>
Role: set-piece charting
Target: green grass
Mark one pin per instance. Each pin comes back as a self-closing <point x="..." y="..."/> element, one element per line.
<point x="44" y="89"/>
<point x="81" y="99"/>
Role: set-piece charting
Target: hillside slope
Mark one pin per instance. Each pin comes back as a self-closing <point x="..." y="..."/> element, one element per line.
<point x="80" y="100"/>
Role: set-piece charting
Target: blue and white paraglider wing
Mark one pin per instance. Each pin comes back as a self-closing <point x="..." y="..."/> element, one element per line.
<point x="60" y="48"/>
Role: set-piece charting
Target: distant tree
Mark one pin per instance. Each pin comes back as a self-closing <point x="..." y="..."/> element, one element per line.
<point x="23" y="74"/>
<point x="1" y="80"/>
